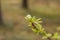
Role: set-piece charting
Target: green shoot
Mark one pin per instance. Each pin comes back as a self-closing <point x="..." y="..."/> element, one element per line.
<point x="36" y="27"/>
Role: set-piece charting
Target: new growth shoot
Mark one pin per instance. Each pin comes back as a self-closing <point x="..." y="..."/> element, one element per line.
<point x="37" y="27"/>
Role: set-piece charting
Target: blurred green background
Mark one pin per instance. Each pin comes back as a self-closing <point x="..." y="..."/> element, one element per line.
<point x="15" y="26"/>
